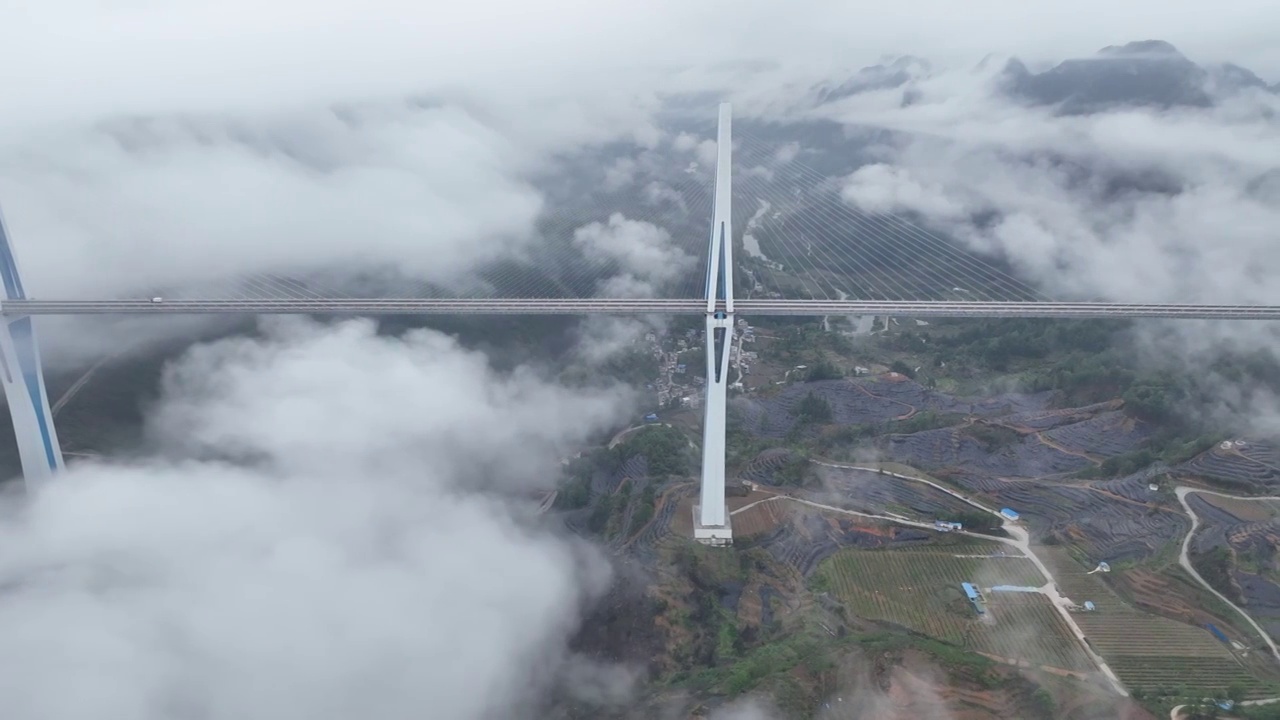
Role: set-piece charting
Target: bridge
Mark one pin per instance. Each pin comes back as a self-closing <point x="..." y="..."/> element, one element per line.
<point x="636" y="306"/>
<point x="960" y="285"/>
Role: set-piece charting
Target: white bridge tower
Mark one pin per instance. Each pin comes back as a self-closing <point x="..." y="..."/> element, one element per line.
<point x="23" y="380"/>
<point x="711" y="524"/>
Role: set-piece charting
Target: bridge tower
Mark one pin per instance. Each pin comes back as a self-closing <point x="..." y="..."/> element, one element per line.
<point x="711" y="522"/>
<point x="23" y="380"/>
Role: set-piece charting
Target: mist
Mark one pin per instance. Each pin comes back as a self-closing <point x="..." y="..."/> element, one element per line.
<point x="348" y="562"/>
<point x="329" y="523"/>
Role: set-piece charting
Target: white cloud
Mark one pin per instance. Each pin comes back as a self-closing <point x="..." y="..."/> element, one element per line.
<point x="1125" y="205"/>
<point x="171" y="202"/>
<point x="707" y="153"/>
<point x="350" y="568"/>
<point x="645" y="255"/>
<point x="684" y="142"/>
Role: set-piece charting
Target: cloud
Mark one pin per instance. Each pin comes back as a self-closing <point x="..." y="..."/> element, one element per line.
<point x="645" y="255"/>
<point x="1131" y="204"/>
<point x="169" y="202"/>
<point x="390" y="135"/>
<point x="346" y="563"/>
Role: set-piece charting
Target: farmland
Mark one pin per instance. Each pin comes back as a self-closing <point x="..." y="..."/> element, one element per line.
<point x="1252" y="468"/>
<point x="873" y="400"/>
<point x="760" y="518"/>
<point x="1106" y="435"/>
<point x="1027" y="457"/>
<point x="876" y="493"/>
<point x="920" y="589"/>
<point x="1148" y="652"/>
<point x="1243" y="511"/>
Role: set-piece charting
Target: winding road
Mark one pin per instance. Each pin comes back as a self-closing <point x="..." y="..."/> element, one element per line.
<point x="1018" y="538"/>
<point x="1183" y="491"/>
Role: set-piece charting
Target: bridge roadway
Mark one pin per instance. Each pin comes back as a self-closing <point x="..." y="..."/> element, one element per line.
<point x="630" y="306"/>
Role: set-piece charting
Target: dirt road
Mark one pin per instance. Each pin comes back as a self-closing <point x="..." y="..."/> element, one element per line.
<point x="1183" y="559"/>
<point x="1018" y="538"/>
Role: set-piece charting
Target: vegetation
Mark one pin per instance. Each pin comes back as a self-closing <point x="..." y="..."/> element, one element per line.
<point x="920" y="589"/>
<point x="635" y="367"/>
<point x="823" y="370"/>
<point x="992" y="437"/>
<point x="642" y="513"/>
<point x="814" y="409"/>
<point x="902" y="368"/>
<point x="1215" y="567"/>
<point x="664" y="448"/>
<point x="795" y="471"/>
<point x="807" y="344"/>
<point x="926" y="420"/>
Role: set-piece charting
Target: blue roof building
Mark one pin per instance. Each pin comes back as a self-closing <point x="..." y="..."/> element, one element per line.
<point x="971" y="592"/>
<point x="1008" y="513"/>
<point x="651" y="417"/>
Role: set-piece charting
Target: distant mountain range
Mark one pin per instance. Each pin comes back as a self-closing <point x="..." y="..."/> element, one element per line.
<point x="1148" y="73"/>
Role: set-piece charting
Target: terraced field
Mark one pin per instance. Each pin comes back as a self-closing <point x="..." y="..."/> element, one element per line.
<point x="1040" y="420"/>
<point x="1148" y="651"/>
<point x="764" y="467"/>
<point x="920" y="589"/>
<point x="810" y="537"/>
<point x="850" y="403"/>
<point x="1134" y="487"/>
<point x="1116" y="531"/>
<point x="871" y="492"/>
<point x="1105" y="435"/>
<point x="948" y="447"/>
<point x="874" y="400"/>
<point x="1248" y="468"/>
<point x="1244" y="511"/>
<point x="760" y="518"/>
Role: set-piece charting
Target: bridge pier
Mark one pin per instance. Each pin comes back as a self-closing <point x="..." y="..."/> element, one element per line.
<point x="22" y="376"/>
<point x="711" y="520"/>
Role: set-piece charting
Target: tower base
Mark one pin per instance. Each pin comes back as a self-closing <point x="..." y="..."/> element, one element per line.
<point x="715" y="535"/>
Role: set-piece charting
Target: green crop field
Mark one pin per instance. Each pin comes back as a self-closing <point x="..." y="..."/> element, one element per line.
<point x="1148" y="651"/>
<point x="920" y="590"/>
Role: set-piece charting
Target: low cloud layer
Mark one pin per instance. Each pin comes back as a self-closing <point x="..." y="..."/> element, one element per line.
<point x="644" y="255"/>
<point x="1175" y="205"/>
<point x="345" y="565"/>
<point x="172" y="202"/>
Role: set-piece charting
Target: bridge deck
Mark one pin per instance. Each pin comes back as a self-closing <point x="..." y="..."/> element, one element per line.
<point x="628" y="306"/>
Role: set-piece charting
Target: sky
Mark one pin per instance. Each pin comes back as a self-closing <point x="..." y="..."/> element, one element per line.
<point x="353" y="559"/>
<point x="149" y="143"/>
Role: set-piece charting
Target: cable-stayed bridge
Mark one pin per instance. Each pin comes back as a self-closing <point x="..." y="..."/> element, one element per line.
<point x="638" y="306"/>
<point x="801" y="250"/>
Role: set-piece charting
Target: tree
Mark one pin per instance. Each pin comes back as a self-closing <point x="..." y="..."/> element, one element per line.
<point x="902" y="368"/>
<point x="1153" y="402"/>
<point x="1236" y="692"/>
<point x="814" y="409"/>
<point x="664" y="448"/>
<point x="824" y="370"/>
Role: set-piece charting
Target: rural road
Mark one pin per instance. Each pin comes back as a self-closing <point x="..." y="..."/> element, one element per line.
<point x="1183" y="560"/>
<point x="1176" y="712"/>
<point x="1019" y="538"/>
<point x="622" y="435"/>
